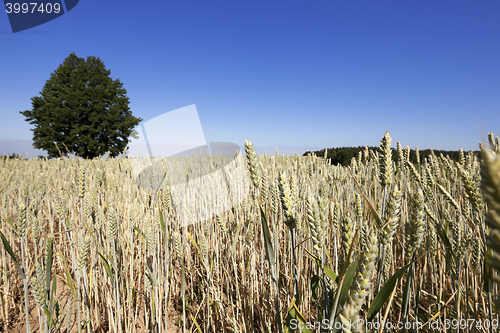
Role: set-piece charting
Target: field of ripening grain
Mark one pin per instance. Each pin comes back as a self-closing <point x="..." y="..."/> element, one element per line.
<point x="384" y="245"/>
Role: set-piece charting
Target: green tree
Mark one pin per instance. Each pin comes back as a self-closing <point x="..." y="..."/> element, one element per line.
<point x="82" y="107"/>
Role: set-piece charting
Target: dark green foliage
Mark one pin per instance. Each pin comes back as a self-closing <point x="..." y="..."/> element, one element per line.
<point x="11" y="157"/>
<point x="344" y="155"/>
<point x="83" y="108"/>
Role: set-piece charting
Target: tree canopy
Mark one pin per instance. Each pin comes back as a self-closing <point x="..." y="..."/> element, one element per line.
<point x="83" y="108"/>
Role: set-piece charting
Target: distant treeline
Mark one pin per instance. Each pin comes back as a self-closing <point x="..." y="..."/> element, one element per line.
<point x="11" y="157"/>
<point x="17" y="157"/>
<point x="344" y="155"/>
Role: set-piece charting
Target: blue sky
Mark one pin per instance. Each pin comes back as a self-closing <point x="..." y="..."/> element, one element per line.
<point x="292" y="74"/>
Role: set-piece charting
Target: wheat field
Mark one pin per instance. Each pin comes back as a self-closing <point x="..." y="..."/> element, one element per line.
<point x="382" y="242"/>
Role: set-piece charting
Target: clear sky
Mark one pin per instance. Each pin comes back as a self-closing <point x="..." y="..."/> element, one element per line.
<point x="296" y="73"/>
